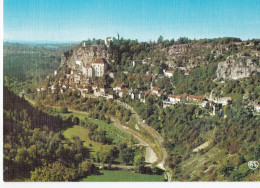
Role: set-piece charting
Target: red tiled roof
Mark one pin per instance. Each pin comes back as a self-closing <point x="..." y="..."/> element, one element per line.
<point x="100" y="61"/>
<point x="169" y="71"/>
<point x="147" y="92"/>
<point x="124" y="90"/>
<point x="156" y="89"/>
<point x="184" y="95"/>
<point x="120" y="85"/>
<point x="161" y="92"/>
<point x="196" y="97"/>
<point x="149" y="77"/>
<point x="175" y="96"/>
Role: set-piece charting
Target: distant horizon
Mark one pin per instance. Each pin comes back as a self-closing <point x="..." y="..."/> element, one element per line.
<point x="72" y="42"/>
<point x="68" y="20"/>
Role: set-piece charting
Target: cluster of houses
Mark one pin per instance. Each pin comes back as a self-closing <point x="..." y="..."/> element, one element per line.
<point x="193" y="99"/>
<point x="81" y="78"/>
<point x="187" y="99"/>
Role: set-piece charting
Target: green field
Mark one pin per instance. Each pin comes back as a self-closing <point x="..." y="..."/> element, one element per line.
<point x="122" y="175"/>
<point x="112" y="132"/>
<point x="82" y="133"/>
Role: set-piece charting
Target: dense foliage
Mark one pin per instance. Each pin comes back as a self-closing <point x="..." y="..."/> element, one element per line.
<point x="33" y="139"/>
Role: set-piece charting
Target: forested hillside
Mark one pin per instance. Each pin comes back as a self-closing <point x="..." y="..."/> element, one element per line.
<point x="34" y="148"/>
<point x="27" y="65"/>
<point x="211" y="130"/>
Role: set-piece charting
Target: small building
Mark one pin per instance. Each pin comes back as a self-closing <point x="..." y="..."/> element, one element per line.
<point x="104" y="89"/>
<point x="222" y="100"/>
<point x="136" y="63"/>
<point x="204" y="104"/>
<point x="196" y="98"/>
<point x="78" y="63"/>
<point x="76" y="79"/>
<point x="257" y="107"/>
<point x="187" y="73"/>
<point x="109" y="96"/>
<point x="119" y="87"/>
<point x="168" y="73"/>
<point x="111" y="75"/>
<point x="184" y="97"/>
<point x="108" y="40"/>
<point x="167" y="104"/>
<point x="54" y="89"/>
<point x="174" y="98"/>
<point x="132" y="96"/>
<point x="157" y="91"/>
<point x="122" y="92"/>
<point x="87" y="71"/>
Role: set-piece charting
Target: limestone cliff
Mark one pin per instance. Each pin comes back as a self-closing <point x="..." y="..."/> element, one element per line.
<point x="237" y="68"/>
<point x="85" y="55"/>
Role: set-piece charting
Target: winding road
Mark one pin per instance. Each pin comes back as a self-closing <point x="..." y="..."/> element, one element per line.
<point x="155" y="135"/>
<point x="150" y="156"/>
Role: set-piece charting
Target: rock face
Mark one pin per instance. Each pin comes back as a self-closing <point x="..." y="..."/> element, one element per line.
<point x="85" y="55"/>
<point x="237" y="68"/>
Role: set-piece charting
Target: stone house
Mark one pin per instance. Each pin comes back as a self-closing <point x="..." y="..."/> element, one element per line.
<point x="174" y="98"/>
<point x="100" y="67"/>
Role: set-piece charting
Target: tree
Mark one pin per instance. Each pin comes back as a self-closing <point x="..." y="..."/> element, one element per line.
<point x="113" y="154"/>
<point x="160" y="39"/>
<point x="86" y="168"/>
<point x="139" y="163"/>
<point x="64" y="109"/>
<point x="226" y="169"/>
<point x="75" y="120"/>
<point x="53" y="172"/>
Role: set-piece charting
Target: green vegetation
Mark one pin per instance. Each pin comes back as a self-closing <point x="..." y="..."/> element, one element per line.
<point x="83" y="133"/>
<point x="122" y="175"/>
<point x="27" y="65"/>
<point x="185" y="127"/>
<point x="68" y="133"/>
<point x="33" y="142"/>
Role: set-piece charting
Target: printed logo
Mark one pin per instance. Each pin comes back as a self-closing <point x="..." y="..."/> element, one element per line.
<point x="253" y="165"/>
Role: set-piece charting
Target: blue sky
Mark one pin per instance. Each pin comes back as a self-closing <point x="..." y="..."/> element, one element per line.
<point x="76" y="20"/>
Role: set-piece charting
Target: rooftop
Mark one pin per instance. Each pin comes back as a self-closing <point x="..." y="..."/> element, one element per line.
<point x="120" y="85"/>
<point x="100" y="61"/>
<point x="175" y="96"/>
<point x="156" y="89"/>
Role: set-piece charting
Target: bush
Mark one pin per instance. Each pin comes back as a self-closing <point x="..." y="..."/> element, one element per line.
<point x="64" y="109"/>
<point x="75" y="120"/>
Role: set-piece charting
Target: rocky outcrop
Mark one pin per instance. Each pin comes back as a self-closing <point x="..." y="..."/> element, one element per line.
<point x="85" y="55"/>
<point x="237" y="68"/>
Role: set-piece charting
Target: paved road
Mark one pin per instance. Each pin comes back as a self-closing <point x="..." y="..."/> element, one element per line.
<point x="151" y="157"/>
<point x="155" y="135"/>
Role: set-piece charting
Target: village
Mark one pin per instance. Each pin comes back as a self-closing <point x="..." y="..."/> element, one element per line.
<point x="86" y="77"/>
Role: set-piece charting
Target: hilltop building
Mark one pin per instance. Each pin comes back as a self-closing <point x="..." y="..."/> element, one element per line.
<point x="108" y="40"/>
<point x="100" y="67"/>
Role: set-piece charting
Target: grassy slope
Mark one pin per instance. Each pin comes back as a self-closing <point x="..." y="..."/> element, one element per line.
<point x="112" y="131"/>
<point x="122" y="175"/>
<point x="82" y="133"/>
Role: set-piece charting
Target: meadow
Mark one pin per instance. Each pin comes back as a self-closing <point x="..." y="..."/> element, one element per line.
<point x="122" y="176"/>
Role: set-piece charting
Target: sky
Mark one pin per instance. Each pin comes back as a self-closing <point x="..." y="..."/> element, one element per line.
<point x="77" y="20"/>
